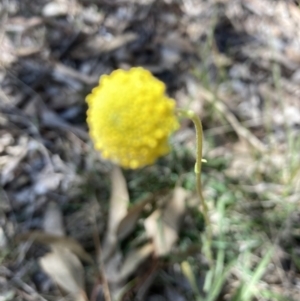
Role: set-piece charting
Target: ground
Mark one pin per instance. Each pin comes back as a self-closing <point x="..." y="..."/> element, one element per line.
<point x="72" y="227"/>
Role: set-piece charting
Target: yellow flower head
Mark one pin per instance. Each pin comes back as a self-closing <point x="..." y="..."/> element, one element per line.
<point x="130" y="118"/>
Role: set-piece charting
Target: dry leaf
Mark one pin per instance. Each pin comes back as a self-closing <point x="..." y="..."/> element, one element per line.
<point x="56" y="241"/>
<point x="119" y="201"/>
<point x="99" y="45"/>
<point x="112" y="266"/>
<point x="134" y="259"/>
<point x="66" y="270"/>
<point x="55" y="9"/>
<point x="128" y="223"/>
<point x="61" y="70"/>
<point x="53" y="220"/>
<point x="163" y="224"/>
<point x="117" y="276"/>
<point x="11" y="163"/>
<point x="47" y="182"/>
<point x="3" y="239"/>
<point x="7" y="53"/>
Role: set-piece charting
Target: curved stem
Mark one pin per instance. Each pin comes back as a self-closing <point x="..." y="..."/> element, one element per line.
<point x="199" y="135"/>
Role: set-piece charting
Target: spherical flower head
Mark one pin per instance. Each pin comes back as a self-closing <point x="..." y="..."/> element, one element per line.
<point x="130" y="118"/>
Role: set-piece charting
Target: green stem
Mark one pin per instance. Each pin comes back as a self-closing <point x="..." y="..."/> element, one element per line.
<point x="199" y="136"/>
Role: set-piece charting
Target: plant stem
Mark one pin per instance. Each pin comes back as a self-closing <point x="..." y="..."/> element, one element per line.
<point x="199" y="136"/>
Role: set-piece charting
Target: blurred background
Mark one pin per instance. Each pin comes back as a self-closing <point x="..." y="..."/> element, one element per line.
<point x="236" y="64"/>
